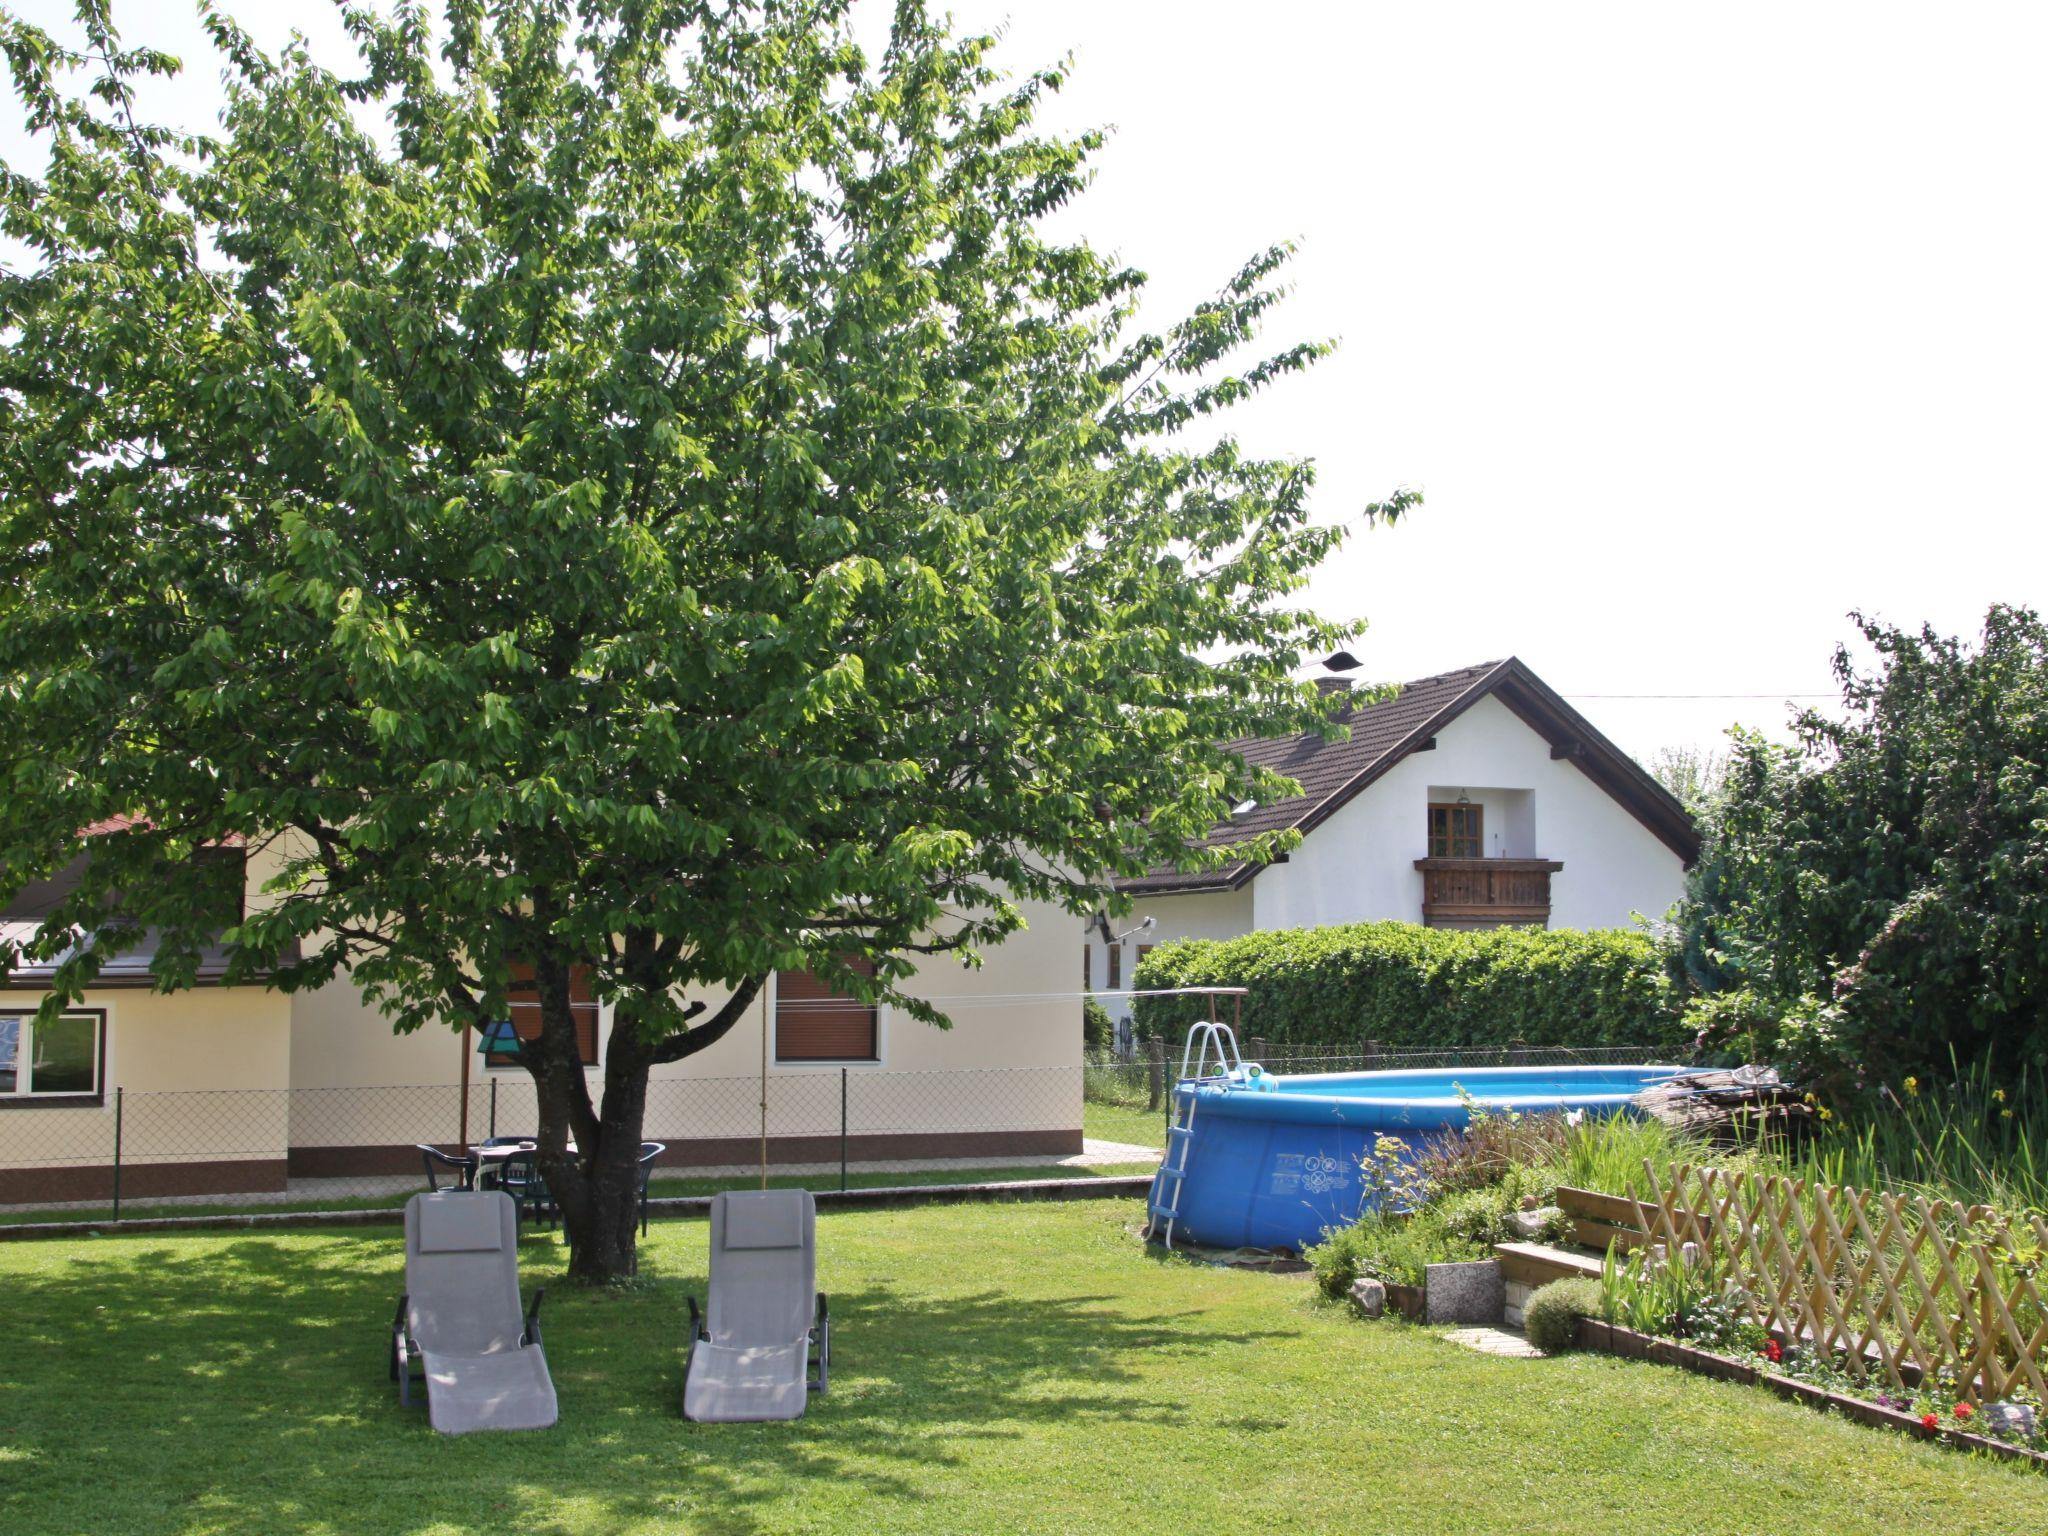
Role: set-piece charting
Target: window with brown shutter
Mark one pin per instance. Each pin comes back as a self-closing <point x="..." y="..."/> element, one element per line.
<point x="1116" y="967"/>
<point x="524" y="1006"/>
<point x="1087" y="968"/>
<point x="815" y="1023"/>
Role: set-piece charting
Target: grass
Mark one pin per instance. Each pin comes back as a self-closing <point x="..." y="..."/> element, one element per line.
<point x="997" y="1368"/>
<point x="1121" y="1122"/>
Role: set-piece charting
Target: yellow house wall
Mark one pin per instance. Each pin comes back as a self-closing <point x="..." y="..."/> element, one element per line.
<point x="204" y="1074"/>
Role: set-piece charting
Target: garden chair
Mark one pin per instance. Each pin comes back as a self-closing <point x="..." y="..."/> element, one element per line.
<point x="751" y="1352"/>
<point x="479" y="1358"/>
<point x="649" y="1151"/>
<point x="520" y="1177"/>
<point x="463" y="1169"/>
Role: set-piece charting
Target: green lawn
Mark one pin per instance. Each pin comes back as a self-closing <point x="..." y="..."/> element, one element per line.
<point x="1116" y="1122"/>
<point x="1005" y="1368"/>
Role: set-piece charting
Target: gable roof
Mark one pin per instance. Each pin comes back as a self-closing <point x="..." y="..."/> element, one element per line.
<point x="1331" y="773"/>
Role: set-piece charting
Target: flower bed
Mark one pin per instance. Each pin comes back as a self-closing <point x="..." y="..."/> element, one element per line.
<point x="1958" y="1427"/>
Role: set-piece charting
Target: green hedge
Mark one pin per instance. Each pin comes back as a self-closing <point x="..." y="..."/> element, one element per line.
<point x="1409" y="986"/>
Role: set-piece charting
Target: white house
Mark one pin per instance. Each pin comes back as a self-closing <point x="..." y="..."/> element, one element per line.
<point x="1470" y="799"/>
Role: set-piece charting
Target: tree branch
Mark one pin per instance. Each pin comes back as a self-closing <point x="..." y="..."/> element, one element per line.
<point x="688" y="1042"/>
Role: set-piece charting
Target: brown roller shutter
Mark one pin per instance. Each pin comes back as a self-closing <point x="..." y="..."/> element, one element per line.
<point x="524" y="1007"/>
<point x="815" y="1023"/>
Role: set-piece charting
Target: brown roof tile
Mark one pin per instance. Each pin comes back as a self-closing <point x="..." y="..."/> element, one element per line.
<point x="1331" y="772"/>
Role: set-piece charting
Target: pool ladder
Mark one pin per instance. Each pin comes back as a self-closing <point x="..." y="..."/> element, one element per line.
<point x="1171" y="1179"/>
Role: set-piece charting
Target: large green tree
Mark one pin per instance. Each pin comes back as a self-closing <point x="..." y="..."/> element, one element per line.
<point x="613" y="484"/>
<point x="1875" y="897"/>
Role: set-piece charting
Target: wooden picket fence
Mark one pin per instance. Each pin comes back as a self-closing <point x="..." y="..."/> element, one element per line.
<point x="1898" y="1286"/>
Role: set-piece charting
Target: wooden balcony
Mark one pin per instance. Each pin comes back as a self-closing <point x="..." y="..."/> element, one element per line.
<point x="1486" y="893"/>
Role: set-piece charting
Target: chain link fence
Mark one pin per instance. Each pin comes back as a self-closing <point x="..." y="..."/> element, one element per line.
<point x="1138" y="1083"/>
<point x="203" y="1152"/>
<point x="152" y="1154"/>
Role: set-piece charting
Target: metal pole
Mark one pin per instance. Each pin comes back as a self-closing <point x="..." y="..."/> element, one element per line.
<point x="842" y="1130"/>
<point x="117" y="1152"/>
<point x="494" y="1109"/>
<point x="764" y="1087"/>
<point x="1155" y="1074"/>
<point x="463" y="1141"/>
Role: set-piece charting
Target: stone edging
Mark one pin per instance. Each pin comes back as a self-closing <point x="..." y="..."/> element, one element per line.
<point x="1610" y="1338"/>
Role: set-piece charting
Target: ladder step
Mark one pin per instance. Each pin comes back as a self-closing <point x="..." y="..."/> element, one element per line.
<point x="1180" y="1130"/>
<point x="1172" y="1173"/>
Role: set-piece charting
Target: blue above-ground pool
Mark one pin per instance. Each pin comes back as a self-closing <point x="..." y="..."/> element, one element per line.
<point x="1275" y="1168"/>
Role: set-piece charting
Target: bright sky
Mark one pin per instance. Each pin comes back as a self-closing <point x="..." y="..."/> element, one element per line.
<point x="1698" y="326"/>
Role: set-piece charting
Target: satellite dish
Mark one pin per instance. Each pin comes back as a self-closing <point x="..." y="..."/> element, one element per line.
<point x="1342" y="661"/>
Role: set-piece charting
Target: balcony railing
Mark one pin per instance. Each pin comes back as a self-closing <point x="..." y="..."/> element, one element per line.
<point x="1486" y="893"/>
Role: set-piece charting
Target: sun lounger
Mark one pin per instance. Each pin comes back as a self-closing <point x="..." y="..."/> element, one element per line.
<point x="459" y="1320"/>
<point x="765" y="1323"/>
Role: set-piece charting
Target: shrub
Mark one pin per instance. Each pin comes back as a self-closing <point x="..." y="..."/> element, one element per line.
<point x="1097" y="1033"/>
<point x="1491" y="1148"/>
<point x="1884" y="880"/>
<point x="1406" y="985"/>
<point x="1389" y="1246"/>
<point x="1551" y="1318"/>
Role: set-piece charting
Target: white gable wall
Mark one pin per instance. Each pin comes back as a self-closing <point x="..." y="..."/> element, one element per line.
<point x="1359" y="866"/>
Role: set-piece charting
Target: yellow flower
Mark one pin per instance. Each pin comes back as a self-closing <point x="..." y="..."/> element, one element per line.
<point x="1811" y="1099"/>
<point x="1826" y="1113"/>
<point x="1912" y="1087"/>
<point x="2005" y="1114"/>
<point x="1998" y="1095"/>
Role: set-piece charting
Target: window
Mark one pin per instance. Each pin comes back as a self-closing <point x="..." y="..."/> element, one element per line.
<point x="524" y="1006"/>
<point x="57" y="1061"/>
<point x="1116" y="967"/>
<point x="815" y="1023"/>
<point x="1454" y="832"/>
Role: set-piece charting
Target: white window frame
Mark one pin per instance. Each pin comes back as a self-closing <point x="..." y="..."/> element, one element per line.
<point x="21" y="1096"/>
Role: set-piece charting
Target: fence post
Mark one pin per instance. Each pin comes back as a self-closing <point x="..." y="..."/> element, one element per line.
<point x="494" y="1109"/>
<point x="1258" y="1045"/>
<point x="1155" y="1071"/>
<point x="118" y="1107"/>
<point x="842" y="1130"/>
<point x="1368" y="1053"/>
<point x="1518" y="1053"/>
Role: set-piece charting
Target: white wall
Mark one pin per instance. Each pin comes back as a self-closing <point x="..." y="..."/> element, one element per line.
<point x="1205" y="915"/>
<point x="1359" y="866"/>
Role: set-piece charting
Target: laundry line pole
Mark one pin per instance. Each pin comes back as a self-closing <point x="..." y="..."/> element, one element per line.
<point x="764" y="1087"/>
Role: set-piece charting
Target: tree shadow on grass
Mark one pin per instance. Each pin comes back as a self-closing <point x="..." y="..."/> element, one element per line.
<point x="243" y="1387"/>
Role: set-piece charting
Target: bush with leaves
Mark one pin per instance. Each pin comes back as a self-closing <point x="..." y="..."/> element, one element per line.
<point x="1877" y="893"/>
<point x="1551" y="1316"/>
<point x="1406" y="985"/>
<point x="1097" y="1032"/>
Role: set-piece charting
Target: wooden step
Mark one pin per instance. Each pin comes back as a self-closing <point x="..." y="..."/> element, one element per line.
<point x="1534" y="1264"/>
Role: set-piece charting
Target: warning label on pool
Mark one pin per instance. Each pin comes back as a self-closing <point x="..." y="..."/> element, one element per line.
<point x="1305" y="1173"/>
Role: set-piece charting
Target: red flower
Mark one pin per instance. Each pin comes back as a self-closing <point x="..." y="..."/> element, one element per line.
<point x="1772" y="1352"/>
<point x="1930" y="1420"/>
<point x="1964" y="1410"/>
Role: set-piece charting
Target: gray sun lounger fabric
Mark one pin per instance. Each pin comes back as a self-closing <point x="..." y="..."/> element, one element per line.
<point x="750" y="1358"/>
<point x="482" y="1358"/>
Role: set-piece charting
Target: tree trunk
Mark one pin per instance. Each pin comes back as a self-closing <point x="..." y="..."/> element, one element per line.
<point x="597" y="1186"/>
